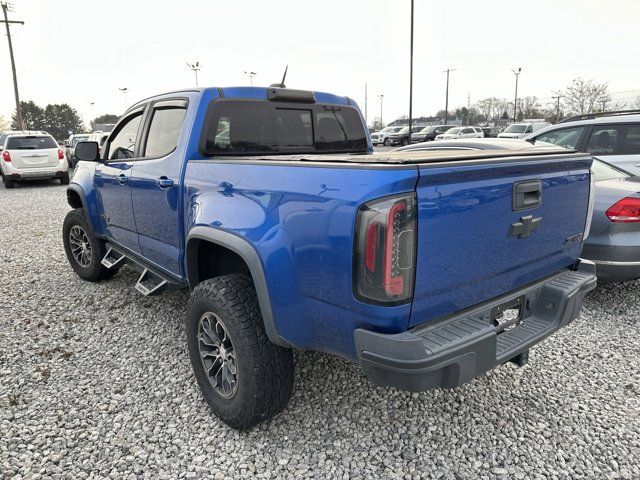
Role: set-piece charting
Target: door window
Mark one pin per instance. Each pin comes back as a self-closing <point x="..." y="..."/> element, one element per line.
<point x="164" y="132"/>
<point x="603" y="140"/>
<point x="565" y="137"/>
<point x="123" y="145"/>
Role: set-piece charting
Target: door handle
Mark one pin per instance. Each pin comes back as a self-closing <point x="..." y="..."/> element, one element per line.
<point x="122" y="179"/>
<point x="164" y="182"/>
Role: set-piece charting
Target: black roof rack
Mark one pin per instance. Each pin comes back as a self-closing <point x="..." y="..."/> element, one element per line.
<point x="589" y="116"/>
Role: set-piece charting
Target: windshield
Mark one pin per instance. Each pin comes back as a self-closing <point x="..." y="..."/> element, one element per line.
<point x="603" y="171"/>
<point x="454" y="131"/>
<point x="387" y="129"/>
<point x="30" y="143"/>
<point x="403" y="130"/>
<point x="80" y="138"/>
<point x="516" y="128"/>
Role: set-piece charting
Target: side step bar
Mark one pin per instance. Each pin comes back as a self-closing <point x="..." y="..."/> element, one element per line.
<point x="150" y="282"/>
<point x="112" y="258"/>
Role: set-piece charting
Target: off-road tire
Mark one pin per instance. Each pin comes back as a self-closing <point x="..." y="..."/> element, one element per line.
<point x="264" y="370"/>
<point x="95" y="271"/>
<point x="64" y="179"/>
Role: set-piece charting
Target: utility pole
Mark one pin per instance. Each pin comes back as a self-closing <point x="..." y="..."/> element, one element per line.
<point x="411" y="75"/>
<point x="515" y="101"/>
<point x="604" y="105"/>
<point x="6" y="21"/>
<point x="557" y="99"/>
<point x="124" y="92"/>
<point x="195" y="67"/>
<point x="446" y="102"/>
<point x="381" y="96"/>
<point x="250" y="75"/>
<point x="366" y="121"/>
<point x="469" y="108"/>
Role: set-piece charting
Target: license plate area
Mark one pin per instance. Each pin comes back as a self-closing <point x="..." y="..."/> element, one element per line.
<point x="509" y="314"/>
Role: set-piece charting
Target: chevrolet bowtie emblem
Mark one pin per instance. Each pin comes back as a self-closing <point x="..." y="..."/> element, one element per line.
<point x="525" y="227"/>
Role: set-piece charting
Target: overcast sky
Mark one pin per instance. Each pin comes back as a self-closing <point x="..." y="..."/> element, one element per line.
<point x="79" y="52"/>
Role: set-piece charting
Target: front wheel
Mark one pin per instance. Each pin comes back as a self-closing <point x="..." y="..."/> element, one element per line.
<point x="244" y="377"/>
<point x="84" y="251"/>
<point x="405" y="142"/>
<point x="386" y="142"/>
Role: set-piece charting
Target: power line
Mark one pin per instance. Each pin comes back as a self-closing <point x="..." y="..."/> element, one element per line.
<point x="5" y="7"/>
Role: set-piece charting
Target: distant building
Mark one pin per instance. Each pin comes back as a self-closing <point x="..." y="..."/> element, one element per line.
<point x="425" y="122"/>
<point x="103" y="127"/>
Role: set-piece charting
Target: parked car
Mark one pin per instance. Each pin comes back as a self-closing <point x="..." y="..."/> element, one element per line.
<point x="613" y="243"/>
<point x="382" y="137"/>
<point x="611" y="137"/>
<point x="401" y="137"/>
<point x="429" y="133"/>
<point x="70" y="146"/>
<point x="490" y="132"/>
<point x="427" y="277"/>
<point x="461" y="132"/>
<point x="31" y="157"/>
<point x="521" y="130"/>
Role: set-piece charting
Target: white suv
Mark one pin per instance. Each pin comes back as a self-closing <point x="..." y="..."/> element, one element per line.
<point x="31" y="156"/>
<point x="613" y="137"/>
<point x="461" y="132"/>
<point x="382" y="137"/>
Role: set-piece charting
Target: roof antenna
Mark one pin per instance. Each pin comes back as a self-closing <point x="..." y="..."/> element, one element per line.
<point x="281" y="84"/>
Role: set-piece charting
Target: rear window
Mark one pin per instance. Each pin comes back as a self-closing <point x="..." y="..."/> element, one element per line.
<point x="235" y="127"/>
<point x="31" y="143"/>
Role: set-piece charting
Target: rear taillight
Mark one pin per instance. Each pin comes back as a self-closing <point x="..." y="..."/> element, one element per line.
<point x="60" y="154"/>
<point x="6" y="157"/>
<point x="626" y="210"/>
<point x="385" y="251"/>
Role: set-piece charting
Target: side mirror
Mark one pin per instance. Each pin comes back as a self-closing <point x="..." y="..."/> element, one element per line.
<point x="87" y="151"/>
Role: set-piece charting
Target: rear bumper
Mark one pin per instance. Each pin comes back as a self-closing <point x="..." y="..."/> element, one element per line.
<point x="453" y="351"/>
<point x="614" y="263"/>
<point x="35" y="174"/>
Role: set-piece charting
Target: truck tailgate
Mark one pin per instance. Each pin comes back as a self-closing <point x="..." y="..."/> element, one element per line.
<point x="483" y="231"/>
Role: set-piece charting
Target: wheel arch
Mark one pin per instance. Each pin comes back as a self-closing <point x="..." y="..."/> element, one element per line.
<point x="77" y="199"/>
<point x="205" y="239"/>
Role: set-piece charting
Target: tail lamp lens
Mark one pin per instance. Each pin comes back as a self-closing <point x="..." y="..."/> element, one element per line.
<point x="385" y="250"/>
<point x="60" y="154"/>
<point x="6" y="157"/>
<point x="626" y="210"/>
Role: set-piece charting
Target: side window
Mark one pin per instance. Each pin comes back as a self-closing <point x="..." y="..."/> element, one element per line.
<point x="565" y="137"/>
<point x="603" y="140"/>
<point x="631" y="143"/>
<point x="164" y="132"/>
<point x="123" y="144"/>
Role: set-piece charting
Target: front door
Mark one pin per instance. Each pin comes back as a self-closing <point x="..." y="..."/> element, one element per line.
<point x="155" y="184"/>
<point x="112" y="182"/>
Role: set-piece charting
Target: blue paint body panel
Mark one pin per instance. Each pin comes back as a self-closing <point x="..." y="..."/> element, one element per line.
<point x="300" y="219"/>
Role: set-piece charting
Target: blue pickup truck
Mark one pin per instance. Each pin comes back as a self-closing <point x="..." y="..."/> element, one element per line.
<point x="270" y="206"/>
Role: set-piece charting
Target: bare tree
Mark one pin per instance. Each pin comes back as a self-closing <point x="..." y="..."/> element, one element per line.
<point x="529" y="107"/>
<point x="635" y="104"/>
<point x="585" y="96"/>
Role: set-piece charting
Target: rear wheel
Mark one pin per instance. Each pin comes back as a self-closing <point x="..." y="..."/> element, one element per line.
<point x="7" y="182"/>
<point x="244" y="377"/>
<point x="84" y="251"/>
<point x="64" y="179"/>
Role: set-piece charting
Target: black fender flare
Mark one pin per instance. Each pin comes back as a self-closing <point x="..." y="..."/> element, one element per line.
<point x="77" y="189"/>
<point x="247" y="252"/>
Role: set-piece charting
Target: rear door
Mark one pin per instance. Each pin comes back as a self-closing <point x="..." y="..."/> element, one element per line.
<point x="33" y="152"/>
<point x="155" y="184"/>
<point x="488" y="227"/>
<point x="618" y="144"/>
<point x="112" y="180"/>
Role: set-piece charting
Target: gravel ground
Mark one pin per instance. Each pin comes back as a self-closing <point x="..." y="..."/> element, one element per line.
<point x="95" y="382"/>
